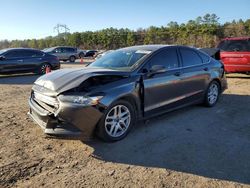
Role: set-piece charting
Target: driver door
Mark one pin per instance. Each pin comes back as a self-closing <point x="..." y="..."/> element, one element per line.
<point x="12" y="61"/>
<point x="162" y="89"/>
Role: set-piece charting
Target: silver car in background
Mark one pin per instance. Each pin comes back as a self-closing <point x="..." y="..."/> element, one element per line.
<point x="64" y="53"/>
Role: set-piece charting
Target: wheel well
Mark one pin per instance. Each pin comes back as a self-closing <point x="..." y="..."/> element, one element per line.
<point x="218" y="81"/>
<point x="132" y="101"/>
<point x="47" y="63"/>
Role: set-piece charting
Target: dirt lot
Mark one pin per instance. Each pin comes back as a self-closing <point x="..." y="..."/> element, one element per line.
<point x="192" y="147"/>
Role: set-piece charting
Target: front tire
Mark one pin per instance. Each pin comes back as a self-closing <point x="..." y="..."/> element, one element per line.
<point x="117" y="121"/>
<point x="212" y="94"/>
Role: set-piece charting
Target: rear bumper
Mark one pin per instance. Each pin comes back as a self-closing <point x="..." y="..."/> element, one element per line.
<point x="70" y="121"/>
<point x="56" y="66"/>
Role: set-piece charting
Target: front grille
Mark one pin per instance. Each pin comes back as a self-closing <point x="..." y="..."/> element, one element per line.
<point x="48" y="103"/>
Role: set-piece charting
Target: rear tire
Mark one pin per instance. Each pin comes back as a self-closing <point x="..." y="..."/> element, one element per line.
<point x="43" y="67"/>
<point x="117" y="121"/>
<point x="72" y="59"/>
<point x="212" y="94"/>
<point x="81" y="55"/>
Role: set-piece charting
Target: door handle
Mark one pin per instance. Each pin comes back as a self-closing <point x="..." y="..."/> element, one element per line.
<point x="20" y="60"/>
<point x="205" y="69"/>
<point x="177" y="73"/>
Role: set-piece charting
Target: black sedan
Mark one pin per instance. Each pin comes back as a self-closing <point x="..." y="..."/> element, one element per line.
<point x="127" y="85"/>
<point x="90" y="53"/>
<point x="22" y="60"/>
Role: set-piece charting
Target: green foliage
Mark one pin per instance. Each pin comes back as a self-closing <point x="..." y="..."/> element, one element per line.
<point x="204" y="31"/>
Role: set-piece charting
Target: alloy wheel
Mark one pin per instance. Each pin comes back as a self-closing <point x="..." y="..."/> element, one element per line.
<point x="44" y="67"/>
<point x="213" y="93"/>
<point x="117" y="121"/>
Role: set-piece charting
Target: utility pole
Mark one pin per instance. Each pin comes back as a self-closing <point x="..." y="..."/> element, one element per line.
<point x="61" y="27"/>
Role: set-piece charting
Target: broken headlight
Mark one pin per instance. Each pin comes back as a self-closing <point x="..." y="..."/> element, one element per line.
<point x="82" y="100"/>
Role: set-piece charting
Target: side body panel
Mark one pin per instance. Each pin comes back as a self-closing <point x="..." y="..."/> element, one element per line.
<point x="236" y="61"/>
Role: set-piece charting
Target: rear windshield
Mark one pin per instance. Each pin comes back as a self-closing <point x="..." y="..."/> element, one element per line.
<point x="48" y="49"/>
<point x="235" y="45"/>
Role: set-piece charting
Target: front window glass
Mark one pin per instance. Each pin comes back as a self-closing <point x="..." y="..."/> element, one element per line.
<point x="14" y="54"/>
<point x="123" y="59"/>
<point x="168" y="58"/>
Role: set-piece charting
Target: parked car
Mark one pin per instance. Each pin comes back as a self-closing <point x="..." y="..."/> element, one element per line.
<point x="81" y="53"/>
<point x="64" y="53"/>
<point x="21" y="60"/>
<point x="235" y="54"/>
<point x="99" y="55"/>
<point x="91" y="53"/>
<point x="127" y="85"/>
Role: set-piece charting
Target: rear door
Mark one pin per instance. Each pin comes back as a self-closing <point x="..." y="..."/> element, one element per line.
<point x="162" y="89"/>
<point x="195" y="73"/>
<point x="32" y="59"/>
<point x="235" y="55"/>
<point x="70" y="52"/>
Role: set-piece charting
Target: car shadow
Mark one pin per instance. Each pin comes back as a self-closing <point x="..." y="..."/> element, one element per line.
<point x="238" y="76"/>
<point x="20" y="79"/>
<point x="209" y="142"/>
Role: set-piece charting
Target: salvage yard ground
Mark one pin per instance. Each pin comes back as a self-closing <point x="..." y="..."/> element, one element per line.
<point x="192" y="147"/>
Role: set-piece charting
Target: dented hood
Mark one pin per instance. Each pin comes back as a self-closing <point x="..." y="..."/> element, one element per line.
<point x="66" y="79"/>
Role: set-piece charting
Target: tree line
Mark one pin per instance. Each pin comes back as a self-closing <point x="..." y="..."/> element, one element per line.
<point x="205" y="31"/>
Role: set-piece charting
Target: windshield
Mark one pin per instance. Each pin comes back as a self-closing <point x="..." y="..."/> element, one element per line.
<point x="48" y="49"/>
<point x="120" y="59"/>
<point x="2" y="51"/>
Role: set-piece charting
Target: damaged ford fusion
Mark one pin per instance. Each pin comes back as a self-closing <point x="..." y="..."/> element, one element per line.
<point x="110" y="95"/>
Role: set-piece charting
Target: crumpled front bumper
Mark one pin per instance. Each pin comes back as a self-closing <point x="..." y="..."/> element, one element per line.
<point x="71" y="119"/>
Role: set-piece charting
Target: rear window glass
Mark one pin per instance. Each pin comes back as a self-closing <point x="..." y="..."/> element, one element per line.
<point x="69" y="50"/>
<point x="190" y="57"/>
<point x="235" y="45"/>
<point x="205" y="58"/>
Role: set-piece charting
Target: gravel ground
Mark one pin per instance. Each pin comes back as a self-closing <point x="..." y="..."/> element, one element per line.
<point x="191" y="147"/>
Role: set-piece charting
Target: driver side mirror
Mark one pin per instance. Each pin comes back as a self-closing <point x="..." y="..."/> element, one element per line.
<point x="157" y="69"/>
<point x="2" y="58"/>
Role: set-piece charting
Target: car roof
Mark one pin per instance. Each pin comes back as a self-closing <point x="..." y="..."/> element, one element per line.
<point x="63" y="47"/>
<point x="8" y="49"/>
<point x="152" y="47"/>
<point x="237" y="38"/>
